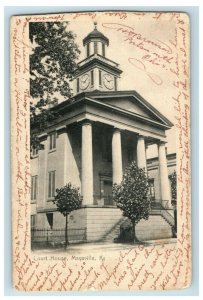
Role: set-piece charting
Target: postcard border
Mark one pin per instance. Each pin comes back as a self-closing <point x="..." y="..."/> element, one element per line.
<point x="194" y="18"/>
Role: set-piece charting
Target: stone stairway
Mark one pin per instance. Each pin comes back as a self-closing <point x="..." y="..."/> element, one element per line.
<point x="113" y="232"/>
<point x="156" y="227"/>
<point x="165" y="215"/>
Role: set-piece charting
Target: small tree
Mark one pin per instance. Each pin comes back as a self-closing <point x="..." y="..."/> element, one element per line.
<point x="67" y="199"/>
<point x="132" y="195"/>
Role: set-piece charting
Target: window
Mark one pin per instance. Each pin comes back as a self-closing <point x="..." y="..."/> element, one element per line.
<point x="152" y="189"/>
<point x="34" y="180"/>
<point x="33" y="221"/>
<point x="52" y="144"/>
<point x="95" y="48"/>
<point x="51" y="184"/>
<point x="50" y="219"/>
<point x="100" y="77"/>
<point x="92" y="77"/>
<point x="78" y="85"/>
<point x="103" y="49"/>
<point x="88" y="50"/>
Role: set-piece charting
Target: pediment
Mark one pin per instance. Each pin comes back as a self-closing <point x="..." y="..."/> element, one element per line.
<point x="128" y="105"/>
<point x="132" y="102"/>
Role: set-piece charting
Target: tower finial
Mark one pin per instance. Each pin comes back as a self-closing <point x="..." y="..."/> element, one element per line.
<point x="95" y="25"/>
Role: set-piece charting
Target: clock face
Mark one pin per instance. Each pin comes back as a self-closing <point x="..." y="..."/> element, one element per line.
<point x="84" y="81"/>
<point x="108" y="81"/>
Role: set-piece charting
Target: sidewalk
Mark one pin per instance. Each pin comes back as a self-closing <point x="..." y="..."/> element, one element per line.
<point x="104" y="247"/>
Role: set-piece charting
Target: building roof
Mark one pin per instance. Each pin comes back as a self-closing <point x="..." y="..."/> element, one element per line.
<point x="129" y="94"/>
<point x="95" y="34"/>
<point x="104" y="107"/>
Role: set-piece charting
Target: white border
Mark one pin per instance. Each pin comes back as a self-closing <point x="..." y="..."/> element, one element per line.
<point x="90" y="3"/>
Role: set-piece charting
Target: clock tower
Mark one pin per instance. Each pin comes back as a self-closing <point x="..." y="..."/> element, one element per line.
<point x="96" y="71"/>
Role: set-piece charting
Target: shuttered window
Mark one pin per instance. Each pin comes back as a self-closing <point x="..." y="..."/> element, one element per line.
<point x="33" y="221"/>
<point x="52" y="144"/>
<point x="51" y="184"/>
<point x="34" y="182"/>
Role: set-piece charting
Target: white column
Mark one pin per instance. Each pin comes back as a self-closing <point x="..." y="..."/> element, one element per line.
<point x="87" y="164"/>
<point x="117" y="157"/>
<point x="141" y="153"/>
<point x="163" y="172"/>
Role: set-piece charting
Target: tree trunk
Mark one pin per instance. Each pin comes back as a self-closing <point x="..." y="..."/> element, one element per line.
<point x="66" y="232"/>
<point x="135" y="240"/>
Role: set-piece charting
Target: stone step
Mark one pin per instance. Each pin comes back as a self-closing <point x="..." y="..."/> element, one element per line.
<point x="114" y="233"/>
<point x="156" y="227"/>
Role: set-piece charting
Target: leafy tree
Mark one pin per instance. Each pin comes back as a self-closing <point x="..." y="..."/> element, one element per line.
<point x="52" y="66"/>
<point x="173" y="180"/>
<point x="132" y="195"/>
<point x="67" y="199"/>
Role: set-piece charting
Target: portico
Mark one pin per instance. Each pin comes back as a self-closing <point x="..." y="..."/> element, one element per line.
<point x="120" y="159"/>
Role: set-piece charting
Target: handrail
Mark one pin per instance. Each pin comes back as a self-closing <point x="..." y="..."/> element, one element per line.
<point x="163" y="208"/>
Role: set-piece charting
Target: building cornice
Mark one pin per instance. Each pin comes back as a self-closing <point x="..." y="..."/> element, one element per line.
<point x="97" y="61"/>
<point x="83" y="98"/>
<point x="80" y="104"/>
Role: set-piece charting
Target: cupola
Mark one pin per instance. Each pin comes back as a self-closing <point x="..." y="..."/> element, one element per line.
<point x="95" y="42"/>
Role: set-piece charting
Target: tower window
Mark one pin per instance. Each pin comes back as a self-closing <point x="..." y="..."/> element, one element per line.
<point x="103" y="49"/>
<point x="95" y="48"/>
<point x="100" y="77"/>
<point x="115" y="83"/>
<point x="78" y="85"/>
<point x="92" y="77"/>
<point x="88" y="50"/>
<point x="51" y="186"/>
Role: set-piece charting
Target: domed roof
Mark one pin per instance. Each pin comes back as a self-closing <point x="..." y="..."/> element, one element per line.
<point x="95" y="34"/>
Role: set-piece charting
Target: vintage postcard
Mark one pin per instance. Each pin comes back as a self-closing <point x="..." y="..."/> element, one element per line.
<point x="101" y="193"/>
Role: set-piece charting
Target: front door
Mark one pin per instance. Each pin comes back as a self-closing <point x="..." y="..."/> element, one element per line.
<point x="108" y="199"/>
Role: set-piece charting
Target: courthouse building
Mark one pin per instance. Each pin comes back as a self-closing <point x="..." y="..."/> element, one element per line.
<point x="96" y="137"/>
